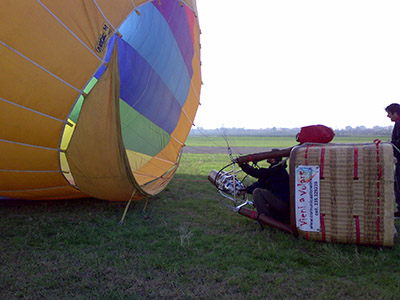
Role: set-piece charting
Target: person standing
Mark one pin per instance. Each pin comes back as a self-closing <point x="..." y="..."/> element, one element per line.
<point x="393" y="113"/>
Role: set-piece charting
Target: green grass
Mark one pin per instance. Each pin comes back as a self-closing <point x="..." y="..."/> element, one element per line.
<point x="181" y="244"/>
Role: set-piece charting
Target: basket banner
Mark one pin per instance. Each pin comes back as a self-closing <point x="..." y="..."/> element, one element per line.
<point x="307" y="190"/>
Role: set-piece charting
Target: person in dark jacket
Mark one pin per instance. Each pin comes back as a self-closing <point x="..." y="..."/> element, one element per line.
<point x="271" y="191"/>
<point x="393" y="113"/>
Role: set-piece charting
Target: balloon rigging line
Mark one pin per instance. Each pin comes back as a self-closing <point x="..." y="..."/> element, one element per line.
<point x="39" y="66"/>
<point x="98" y="7"/>
<point x="126" y="207"/>
<point x="190" y="180"/>
<point x="134" y="5"/>
<point x="178" y="141"/>
<point x="224" y="135"/>
<point x="29" y="145"/>
<point x="135" y="8"/>
<point x="31" y="110"/>
<point x="395" y="147"/>
<point x="186" y="115"/>
<point x="31" y="171"/>
<point x="69" y="30"/>
<point x="164" y="160"/>
<point x="145" y="205"/>
<point x="195" y="92"/>
<point x="210" y="140"/>
<point x="38" y="189"/>
<point x="148" y="175"/>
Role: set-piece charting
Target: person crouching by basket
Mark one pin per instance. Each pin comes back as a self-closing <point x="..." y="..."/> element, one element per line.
<point x="393" y="113"/>
<point x="271" y="194"/>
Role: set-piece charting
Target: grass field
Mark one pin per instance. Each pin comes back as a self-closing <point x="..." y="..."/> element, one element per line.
<point x="181" y="244"/>
<point x="267" y="141"/>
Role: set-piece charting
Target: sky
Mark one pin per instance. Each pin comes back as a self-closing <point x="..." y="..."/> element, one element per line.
<point x="293" y="63"/>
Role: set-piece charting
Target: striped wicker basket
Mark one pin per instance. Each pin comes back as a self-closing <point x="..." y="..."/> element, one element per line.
<point x="356" y="192"/>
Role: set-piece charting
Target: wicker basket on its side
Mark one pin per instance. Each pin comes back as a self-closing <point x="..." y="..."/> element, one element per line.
<point x="356" y="192"/>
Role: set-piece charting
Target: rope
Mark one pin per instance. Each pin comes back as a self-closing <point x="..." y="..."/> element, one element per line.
<point x="121" y="222"/>
<point x="145" y="205"/>
<point x="189" y="180"/>
<point x="395" y="147"/>
<point x="223" y="133"/>
<point x="210" y="140"/>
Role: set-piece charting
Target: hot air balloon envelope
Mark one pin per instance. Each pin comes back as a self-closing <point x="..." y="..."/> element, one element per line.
<point x="98" y="97"/>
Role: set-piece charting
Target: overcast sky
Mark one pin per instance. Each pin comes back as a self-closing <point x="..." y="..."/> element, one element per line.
<point x="292" y="63"/>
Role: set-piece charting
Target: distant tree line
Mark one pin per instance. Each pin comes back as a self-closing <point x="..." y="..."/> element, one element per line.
<point x="275" y="131"/>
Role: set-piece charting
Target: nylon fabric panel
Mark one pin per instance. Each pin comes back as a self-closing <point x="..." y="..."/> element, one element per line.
<point x="193" y="100"/>
<point x="47" y="43"/>
<point x="67" y="134"/>
<point x="192" y="4"/>
<point x="178" y="136"/>
<point x="29" y="180"/>
<point x="27" y="84"/>
<point x="145" y="91"/>
<point x="191" y="105"/>
<point x="152" y="171"/>
<point x="37" y="159"/>
<point x="76" y="110"/>
<point x="140" y="134"/>
<point x="190" y="108"/>
<point x="110" y="47"/>
<point x="158" y="165"/>
<point x="82" y="17"/>
<point x="116" y="16"/>
<point x="150" y="176"/>
<point x="151" y="36"/>
<point x="191" y="19"/>
<point x="14" y="124"/>
<point x="182" y="130"/>
<point x="172" y="150"/>
<point x="96" y="156"/>
<point x="157" y="186"/>
<point x="77" y="107"/>
<point x="14" y="184"/>
<point x="137" y="160"/>
<point x="64" y="192"/>
<point x="24" y="83"/>
<point x="176" y="17"/>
